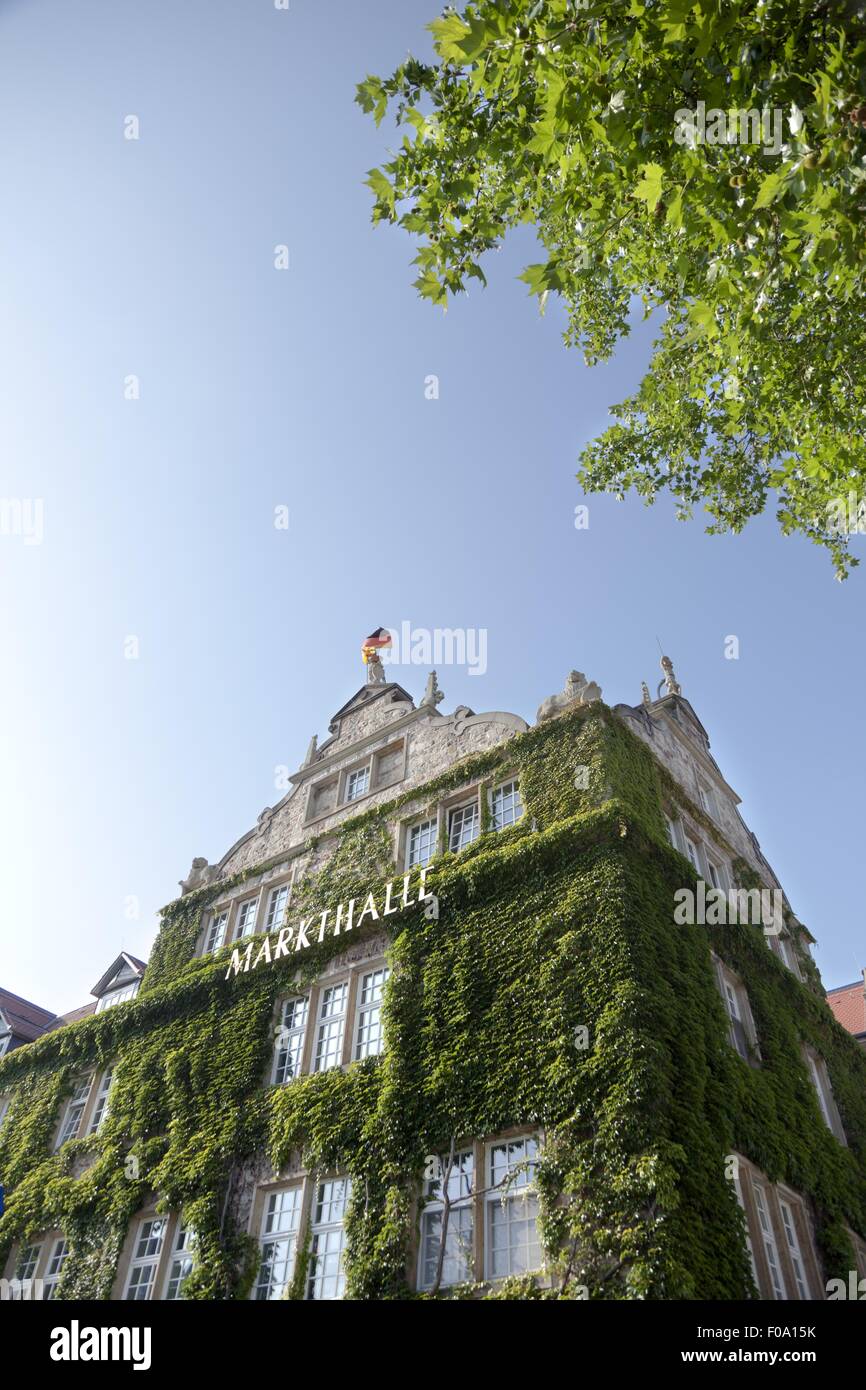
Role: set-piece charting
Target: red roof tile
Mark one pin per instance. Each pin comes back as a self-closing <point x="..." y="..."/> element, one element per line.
<point x="848" y="1003"/>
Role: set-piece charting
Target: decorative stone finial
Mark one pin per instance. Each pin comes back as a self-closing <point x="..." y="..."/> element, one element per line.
<point x="578" y="691"/>
<point x="433" y="696"/>
<point x="644" y="690"/>
<point x="670" y="681"/>
<point x="311" y="751"/>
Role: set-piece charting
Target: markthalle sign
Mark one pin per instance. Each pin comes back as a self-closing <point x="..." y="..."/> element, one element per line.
<point x="332" y="922"/>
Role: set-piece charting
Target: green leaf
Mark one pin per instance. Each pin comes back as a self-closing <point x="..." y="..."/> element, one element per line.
<point x="649" y="190"/>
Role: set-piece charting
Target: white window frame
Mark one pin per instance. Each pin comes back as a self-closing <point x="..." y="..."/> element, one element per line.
<point x="504" y="1195"/>
<point x="293" y="1042"/>
<point x="694" y="859"/>
<point x="324" y="1026"/>
<point x="511" y="786"/>
<point x="276" y="912"/>
<point x="32" y="1250"/>
<point x="350" y="780"/>
<point x="738" y="1009"/>
<point x="368" y="1015"/>
<point x="324" y="1230"/>
<point x="54" y="1266"/>
<point x="460" y="810"/>
<point x="788" y="1213"/>
<point x="148" y="1262"/>
<point x="823" y="1087"/>
<point x="267" y="1290"/>
<point x="215" y="932"/>
<point x="428" y="835"/>
<point x="77" y="1102"/>
<point x="243" y="928"/>
<point x="180" y="1265"/>
<point x="458" y="1266"/>
<point x="763" y="1207"/>
<point x="99" y="1113"/>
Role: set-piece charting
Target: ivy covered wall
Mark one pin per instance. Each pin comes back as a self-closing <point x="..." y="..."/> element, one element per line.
<point x="561" y="922"/>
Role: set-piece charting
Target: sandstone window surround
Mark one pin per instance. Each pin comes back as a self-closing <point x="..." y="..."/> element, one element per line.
<point x="780" y="1237"/>
<point x="335" y="1022"/>
<point x="87" y="1108"/>
<point x="150" y="1251"/>
<point x="707" y="861"/>
<point x="782" y="946"/>
<point x="262" y="910"/>
<point x="820" y="1078"/>
<point x="283" y="1215"/>
<point x="359" y="779"/>
<point x="56" y="1254"/>
<point x="100" y="1102"/>
<point x="70" y="1126"/>
<point x="492" y="1223"/>
<point x="741" y="1024"/>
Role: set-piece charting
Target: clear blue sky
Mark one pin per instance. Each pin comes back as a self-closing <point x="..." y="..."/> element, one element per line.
<point x="306" y="388"/>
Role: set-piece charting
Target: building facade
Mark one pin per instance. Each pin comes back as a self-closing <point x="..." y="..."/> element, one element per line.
<point x="478" y="1009"/>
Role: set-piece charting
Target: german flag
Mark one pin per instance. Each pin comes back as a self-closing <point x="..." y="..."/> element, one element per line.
<point x="374" y="644"/>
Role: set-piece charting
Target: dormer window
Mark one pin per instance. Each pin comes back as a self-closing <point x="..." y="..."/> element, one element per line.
<point x="119" y="983"/>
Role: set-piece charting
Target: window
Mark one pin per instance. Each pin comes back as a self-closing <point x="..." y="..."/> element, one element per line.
<point x="279" y="1242"/>
<point x="738" y="1186"/>
<point x="824" y="1091"/>
<point x="4" y="1109"/>
<point x="369" y="1040"/>
<point x="463" y="826"/>
<point x="326" y="1279"/>
<point x="457" y="1262"/>
<point x="28" y="1259"/>
<point x="357" y="783"/>
<point x="117" y="996"/>
<point x="100" y="1109"/>
<point x="421" y="843"/>
<point x="707" y="800"/>
<point x="5" y="1040"/>
<point x="332" y="1025"/>
<point x="277" y="904"/>
<point x="148" y="1248"/>
<point x="769" y="1239"/>
<point x="692" y="852"/>
<point x="507" y="806"/>
<point x="789" y="1226"/>
<point x="56" y="1261"/>
<point x="290" y="1040"/>
<point x="216" y="932"/>
<point x="736" y="1002"/>
<point x="716" y="874"/>
<point x="739" y="1036"/>
<point x="74" y="1110"/>
<point x="513" y="1246"/>
<point x="181" y="1262"/>
<point x="247" y="913"/>
<point x="672" y="832"/>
